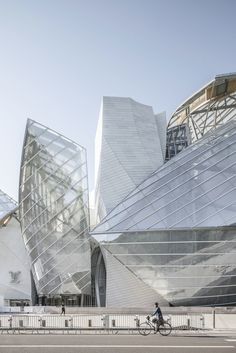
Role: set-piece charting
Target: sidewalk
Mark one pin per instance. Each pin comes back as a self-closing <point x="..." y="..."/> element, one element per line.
<point x="222" y="332"/>
<point x="227" y="333"/>
<point x="207" y="333"/>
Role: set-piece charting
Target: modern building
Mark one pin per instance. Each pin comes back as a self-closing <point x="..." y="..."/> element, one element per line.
<point x="165" y="208"/>
<point x="130" y="144"/>
<point x="54" y="217"/>
<point x="15" y="280"/>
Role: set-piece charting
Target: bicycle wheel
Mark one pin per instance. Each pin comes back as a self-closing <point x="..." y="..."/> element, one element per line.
<point x="144" y="329"/>
<point x="165" y="329"/>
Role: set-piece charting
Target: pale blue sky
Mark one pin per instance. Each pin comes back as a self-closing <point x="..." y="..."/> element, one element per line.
<point x="59" y="57"/>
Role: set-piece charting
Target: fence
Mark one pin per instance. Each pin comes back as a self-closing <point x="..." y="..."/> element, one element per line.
<point x="98" y="323"/>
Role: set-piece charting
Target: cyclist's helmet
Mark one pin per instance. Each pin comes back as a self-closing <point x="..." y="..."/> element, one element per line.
<point x="156" y="303"/>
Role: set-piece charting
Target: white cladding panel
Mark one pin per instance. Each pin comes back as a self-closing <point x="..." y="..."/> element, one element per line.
<point x="161" y="128"/>
<point x="15" y="281"/>
<point x="128" y="147"/>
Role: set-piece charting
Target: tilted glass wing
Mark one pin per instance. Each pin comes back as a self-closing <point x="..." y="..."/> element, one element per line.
<point x="54" y="211"/>
<point x="197" y="188"/>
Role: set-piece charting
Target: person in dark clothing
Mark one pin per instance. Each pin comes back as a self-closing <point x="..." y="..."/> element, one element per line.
<point x="158" y="314"/>
<point x="63" y="310"/>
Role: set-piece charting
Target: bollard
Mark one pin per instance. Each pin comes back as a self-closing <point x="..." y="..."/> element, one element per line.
<point x="90" y="323"/>
<point x="71" y="322"/>
<point x="40" y="322"/>
<point x="10" y="321"/>
<point x="105" y="319"/>
<point x="214" y="318"/>
<point x="137" y="321"/>
<point x="113" y="323"/>
<point x="203" y="322"/>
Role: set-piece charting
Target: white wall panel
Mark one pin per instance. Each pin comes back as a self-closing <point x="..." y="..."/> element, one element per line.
<point x="128" y="149"/>
<point x="15" y="281"/>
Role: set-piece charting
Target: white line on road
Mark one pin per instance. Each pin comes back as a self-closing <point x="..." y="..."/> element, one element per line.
<point x="231" y="340"/>
<point x="103" y="346"/>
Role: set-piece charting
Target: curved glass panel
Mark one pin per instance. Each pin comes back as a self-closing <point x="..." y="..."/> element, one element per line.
<point x="185" y="267"/>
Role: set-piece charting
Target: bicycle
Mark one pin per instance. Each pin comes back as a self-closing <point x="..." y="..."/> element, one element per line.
<point x="161" y="326"/>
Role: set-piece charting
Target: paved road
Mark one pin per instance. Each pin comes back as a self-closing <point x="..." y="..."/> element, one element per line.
<point x="114" y="344"/>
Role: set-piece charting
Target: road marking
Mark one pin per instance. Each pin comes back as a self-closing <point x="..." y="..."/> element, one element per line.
<point x="103" y="346"/>
<point x="231" y="340"/>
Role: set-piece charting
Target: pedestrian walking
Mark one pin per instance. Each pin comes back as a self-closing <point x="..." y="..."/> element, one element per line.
<point x="63" y="309"/>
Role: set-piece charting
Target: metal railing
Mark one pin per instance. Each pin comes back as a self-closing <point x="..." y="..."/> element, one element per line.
<point x="89" y="322"/>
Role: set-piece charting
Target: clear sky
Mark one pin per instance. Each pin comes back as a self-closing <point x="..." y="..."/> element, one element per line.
<point x="59" y="57"/>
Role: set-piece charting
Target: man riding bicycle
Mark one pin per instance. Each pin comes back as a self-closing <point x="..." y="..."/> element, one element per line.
<point x="159" y="317"/>
<point x="158" y="324"/>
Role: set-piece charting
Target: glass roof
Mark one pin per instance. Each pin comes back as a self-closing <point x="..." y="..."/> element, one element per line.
<point x="210" y="107"/>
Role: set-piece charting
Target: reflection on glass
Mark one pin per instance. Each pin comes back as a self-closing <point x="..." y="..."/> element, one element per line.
<point x="185" y="267"/>
<point x="54" y="211"/>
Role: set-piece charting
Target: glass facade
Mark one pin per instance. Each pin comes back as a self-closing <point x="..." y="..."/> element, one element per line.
<point x="177" y="139"/>
<point x="53" y="196"/>
<point x="184" y="267"/>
